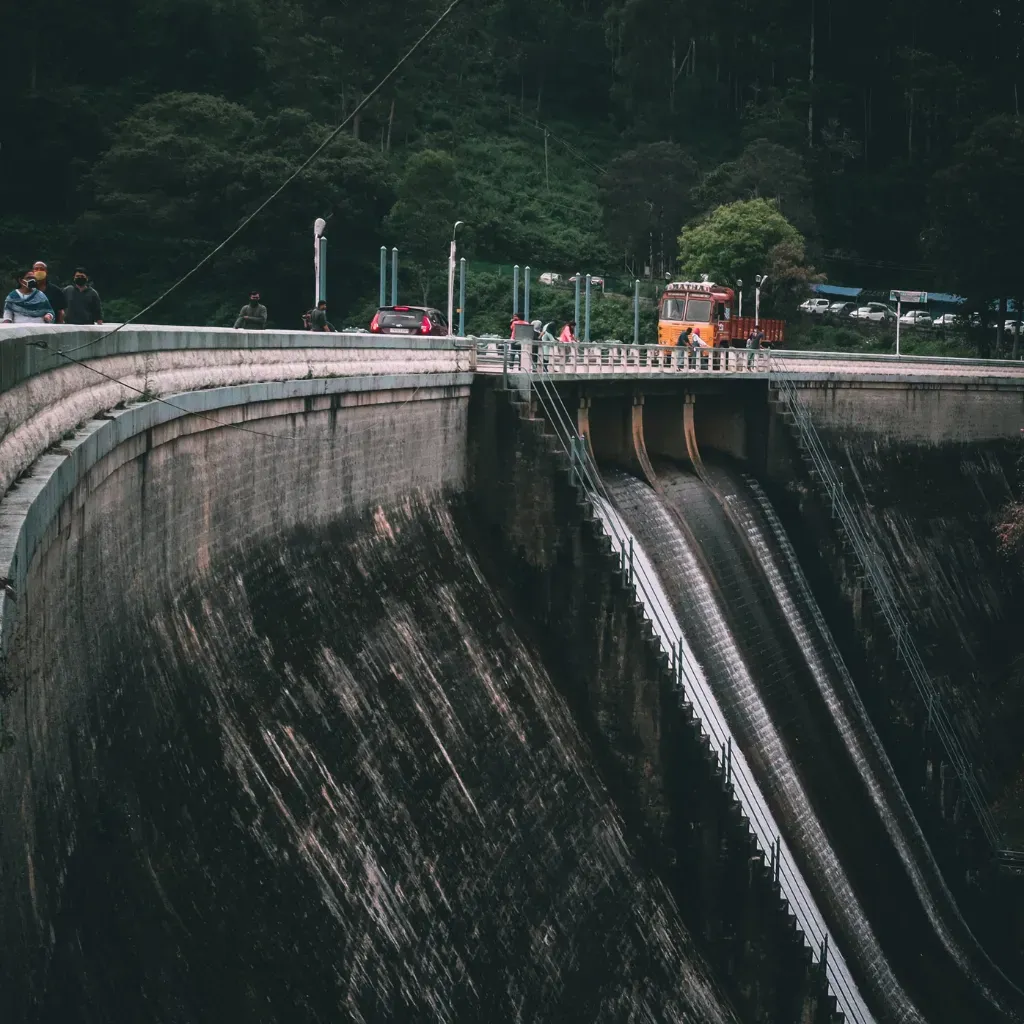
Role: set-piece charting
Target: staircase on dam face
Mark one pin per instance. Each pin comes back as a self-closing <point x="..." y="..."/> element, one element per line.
<point x="784" y="395"/>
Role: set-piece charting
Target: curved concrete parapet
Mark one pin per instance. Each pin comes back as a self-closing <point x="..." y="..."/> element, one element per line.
<point x="46" y="391"/>
<point x="123" y="515"/>
<point x="270" y="416"/>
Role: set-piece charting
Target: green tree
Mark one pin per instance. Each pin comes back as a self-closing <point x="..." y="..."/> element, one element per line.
<point x="977" y="218"/>
<point x="764" y="170"/>
<point x="421" y="221"/>
<point x="184" y="170"/>
<point x="740" y="240"/>
<point x="645" y="197"/>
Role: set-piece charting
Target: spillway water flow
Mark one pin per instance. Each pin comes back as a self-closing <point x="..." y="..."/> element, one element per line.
<point x="698" y="691"/>
<point x="777" y="559"/>
<point x="695" y="602"/>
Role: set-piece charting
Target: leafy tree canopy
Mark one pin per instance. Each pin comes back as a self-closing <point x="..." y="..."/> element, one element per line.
<point x="645" y="197"/>
<point x="564" y="119"/>
<point x="740" y="240"/>
<point x="185" y="169"/>
<point x="977" y="217"/>
<point x="423" y="217"/>
<point x="764" y="170"/>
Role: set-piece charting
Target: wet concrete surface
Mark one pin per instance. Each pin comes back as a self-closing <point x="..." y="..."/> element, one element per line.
<point x="332" y="782"/>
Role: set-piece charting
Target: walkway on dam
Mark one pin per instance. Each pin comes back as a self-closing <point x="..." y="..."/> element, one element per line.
<point x="588" y="360"/>
<point x="218" y="355"/>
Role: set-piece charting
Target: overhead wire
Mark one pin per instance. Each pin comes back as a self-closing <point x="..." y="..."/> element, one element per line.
<point x="69" y="354"/>
<point x="540" y="125"/>
<point x="213" y="419"/>
<point x="332" y="135"/>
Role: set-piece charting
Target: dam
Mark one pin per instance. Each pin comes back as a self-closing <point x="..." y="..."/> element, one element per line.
<point x="377" y="680"/>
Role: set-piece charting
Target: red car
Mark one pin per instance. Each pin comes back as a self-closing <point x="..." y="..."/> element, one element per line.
<point x="409" y="320"/>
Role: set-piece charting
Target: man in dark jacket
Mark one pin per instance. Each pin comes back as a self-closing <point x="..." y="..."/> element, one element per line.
<point x="254" y="316"/>
<point x="318" y="321"/>
<point x="82" y="300"/>
<point x="49" y="288"/>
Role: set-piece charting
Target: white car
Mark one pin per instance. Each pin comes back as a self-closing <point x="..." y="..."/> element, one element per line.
<point x="549" y="278"/>
<point x="873" y="311"/>
<point x="841" y="308"/>
<point x="916" y="318"/>
<point x="1012" y="327"/>
<point x="946" y="320"/>
<point x="815" y="305"/>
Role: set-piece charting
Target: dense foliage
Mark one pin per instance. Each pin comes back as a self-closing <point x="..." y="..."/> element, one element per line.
<point x="568" y="134"/>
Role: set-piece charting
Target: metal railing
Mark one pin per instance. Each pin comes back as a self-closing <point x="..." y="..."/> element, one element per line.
<point x="879" y="576"/>
<point x="589" y="359"/>
<point x="593" y="359"/>
<point x="781" y="863"/>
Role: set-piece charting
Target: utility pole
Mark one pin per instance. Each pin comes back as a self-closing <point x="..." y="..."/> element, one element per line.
<point x="547" y="178"/>
<point x="319" y="260"/>
<point x="759" y="283"/>
<point x="451" y="277"/>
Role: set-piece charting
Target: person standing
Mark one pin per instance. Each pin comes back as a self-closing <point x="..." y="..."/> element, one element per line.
<point x="82" y="301"/>
<point x="318" y="319"/>
<point x="49" y="288"/>
<point x="252" y="317"/>
<point x="755" y="341"/>
<point x="27" y="304"/>
<point x="518" y="331"/>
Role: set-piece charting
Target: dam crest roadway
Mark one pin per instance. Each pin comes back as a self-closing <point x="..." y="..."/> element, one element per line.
<point x="657" y="444"/>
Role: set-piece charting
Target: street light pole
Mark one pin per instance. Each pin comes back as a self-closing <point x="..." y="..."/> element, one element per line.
<point x="739" y="289"/>
<point x="451" y="277"/>
<point x="758" y="285"/>
<point x="319" y="260"/>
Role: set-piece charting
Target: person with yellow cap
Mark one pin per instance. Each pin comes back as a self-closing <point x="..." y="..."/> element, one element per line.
<point x="49" y="289"/>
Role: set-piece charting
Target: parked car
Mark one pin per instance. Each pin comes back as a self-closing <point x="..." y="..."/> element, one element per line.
<point x="876" y="311"/>
<point x="409" y="320"/>
<point x="550" y="278"/>
<point x="841" y="308"/>
<point x="1012" y="326"/>
<point x="595" y="282"/>
<point x="957" y="320"/>
<point x="815" y="305"/>
<point x="916" y="318"/>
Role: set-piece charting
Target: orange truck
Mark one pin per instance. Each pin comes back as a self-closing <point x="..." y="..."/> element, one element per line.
<point x="708" y="308"/>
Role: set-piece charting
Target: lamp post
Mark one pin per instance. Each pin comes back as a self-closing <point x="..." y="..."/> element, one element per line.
<point x="319" y="260"/>
<point x="462" y="297"/>
<point x="759" y="283"/>
<point x="451" y="277"/>
<point x="739" y="291"/>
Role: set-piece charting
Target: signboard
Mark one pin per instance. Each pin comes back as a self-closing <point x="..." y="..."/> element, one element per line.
<point x="908" y="296"/>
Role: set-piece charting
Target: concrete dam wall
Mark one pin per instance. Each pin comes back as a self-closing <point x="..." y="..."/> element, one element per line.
<point x="929" y="471"/>
<point x="282" y="742"/>
<point x="330" y="699"/>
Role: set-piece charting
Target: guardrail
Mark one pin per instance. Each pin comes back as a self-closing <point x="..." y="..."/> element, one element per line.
<point x="782" y="864"/>
<point x="28" y="350"/>
<point x="879" y="575"/>
<point x="590" y="359"/>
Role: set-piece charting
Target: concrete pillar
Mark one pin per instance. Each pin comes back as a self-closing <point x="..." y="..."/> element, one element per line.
<point x="690" y="433"/>
<point x="583" y="423"/>
<point x="643" y="463"/>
